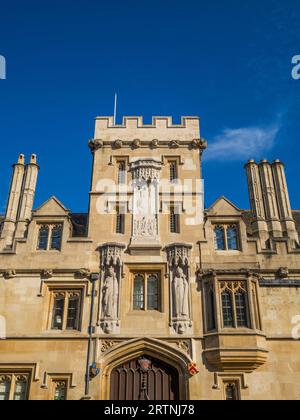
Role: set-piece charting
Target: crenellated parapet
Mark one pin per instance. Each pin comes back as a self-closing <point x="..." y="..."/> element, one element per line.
<point x="134" y="134"/>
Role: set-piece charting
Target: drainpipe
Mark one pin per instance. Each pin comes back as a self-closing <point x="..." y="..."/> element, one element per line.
<point x="93" y="278"/>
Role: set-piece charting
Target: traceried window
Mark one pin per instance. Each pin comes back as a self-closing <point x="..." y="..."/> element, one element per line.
<point x="236" y="301"/>
<point x="121" y="172"/>
<point x="60" y="390"/>
<point x="146" y="288"/>
<point x="14" y="386"/>
<point x="50" y="237"/>
<point x="235" y="312"/>
<point x="226" y="238"/>
<point x="66" y="310"/>
<point x="174" y="219"/>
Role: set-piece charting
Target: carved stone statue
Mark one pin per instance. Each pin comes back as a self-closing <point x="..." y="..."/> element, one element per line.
<point x="110" y="295"/>
<point x="181" y="294"/>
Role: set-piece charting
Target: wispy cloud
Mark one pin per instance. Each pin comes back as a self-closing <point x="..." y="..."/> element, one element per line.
<point x="242" y="143"/>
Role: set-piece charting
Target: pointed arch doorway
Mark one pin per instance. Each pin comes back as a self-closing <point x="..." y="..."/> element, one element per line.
<point x="125" y="362"/>
<point x="144" y="378"/>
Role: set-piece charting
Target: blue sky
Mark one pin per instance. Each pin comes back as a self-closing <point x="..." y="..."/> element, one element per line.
<point x="227" y="61"/>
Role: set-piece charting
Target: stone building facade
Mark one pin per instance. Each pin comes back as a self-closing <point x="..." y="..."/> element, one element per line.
<point x="149" y="295"/>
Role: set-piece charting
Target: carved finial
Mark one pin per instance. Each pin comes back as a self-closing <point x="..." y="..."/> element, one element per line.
<point x="21" y="159"/>
<point x="33" y="159"/>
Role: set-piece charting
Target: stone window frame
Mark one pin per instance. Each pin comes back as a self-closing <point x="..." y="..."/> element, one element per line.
<point x="178" y="160"/>
<point x="50" y="378"/>
<point x="57" y="382"/>
<point x="146" y="272"/>
<point x="51" y="226"/>
<point x="66" y="291"/>
<point x="213" y="314"/>
<point x="225" y="226"/>
<point x="13" y="376"/>
<point x="221" y="379"/>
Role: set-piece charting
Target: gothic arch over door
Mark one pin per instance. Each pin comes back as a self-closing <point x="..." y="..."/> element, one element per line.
<point x="144" y="378"/>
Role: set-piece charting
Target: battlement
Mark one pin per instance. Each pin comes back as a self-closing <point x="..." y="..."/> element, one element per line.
<point x="161" y="128"/>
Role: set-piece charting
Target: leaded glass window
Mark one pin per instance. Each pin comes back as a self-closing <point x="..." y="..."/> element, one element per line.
<point x="56" y="236"/>
<point x="174" y="219"/>
<point x="50" y="237"/>
<point x="58" y="313"/>
<point x="66" y="310"/>
<point x="5" y="384"/>
<point x="20" y="389"/>
<point x="146" y="291"/>
<point x="232" y="238"/>
<point x="219" y="238"/>
<point x="227" y="309"/>
<point x="241" y="309"/>
<point x="139" y="293"/>
<point x="73" y="313"/>
<point x="173" y="171"/>
<point x="120" y="219"/>
<point x="60" y="390"/>
<point x="43" y="238"/>
<point x="152" y="295"/>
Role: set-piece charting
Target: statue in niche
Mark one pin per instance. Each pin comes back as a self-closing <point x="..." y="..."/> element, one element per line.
<point x="110" y="294"/>
<point x="181" y="294"/>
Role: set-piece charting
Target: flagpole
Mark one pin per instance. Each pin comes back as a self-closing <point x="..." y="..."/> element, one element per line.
<point x="115" y="109"/>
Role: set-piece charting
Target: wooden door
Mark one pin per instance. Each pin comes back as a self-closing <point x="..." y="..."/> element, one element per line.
<point x="144" y="378"/>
